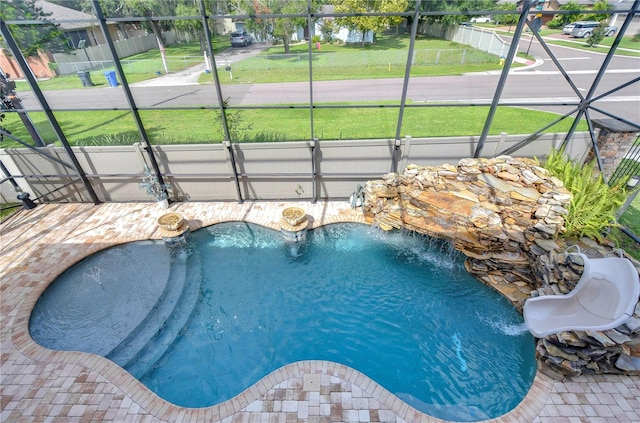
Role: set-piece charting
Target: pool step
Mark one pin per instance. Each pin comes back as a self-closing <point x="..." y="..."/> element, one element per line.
<point x="155" y="319"/>
<point x="164" y="337"/>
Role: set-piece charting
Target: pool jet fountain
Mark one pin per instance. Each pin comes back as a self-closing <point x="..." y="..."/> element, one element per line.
<point x="174" y="229"/>
<point x="294" y="224"/>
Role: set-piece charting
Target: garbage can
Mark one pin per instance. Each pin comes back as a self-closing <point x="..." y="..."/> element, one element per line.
<point x="85" y="78"/>
<point x="111" y="78"/>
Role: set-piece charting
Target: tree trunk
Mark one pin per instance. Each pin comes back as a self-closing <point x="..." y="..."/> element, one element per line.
<point x="158" y="33"/>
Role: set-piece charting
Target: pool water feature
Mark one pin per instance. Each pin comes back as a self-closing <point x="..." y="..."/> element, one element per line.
<point x="242" y="302"/>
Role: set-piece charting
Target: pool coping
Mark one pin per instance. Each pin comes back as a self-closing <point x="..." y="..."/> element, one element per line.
<point x="264" y="214"/>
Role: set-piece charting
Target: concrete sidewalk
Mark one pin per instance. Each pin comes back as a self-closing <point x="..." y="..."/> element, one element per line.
<point x="190" y="75"/>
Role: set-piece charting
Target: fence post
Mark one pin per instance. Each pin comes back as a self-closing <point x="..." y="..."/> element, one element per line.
<point x="500" y="143"/>
<point x="405" y="152"/>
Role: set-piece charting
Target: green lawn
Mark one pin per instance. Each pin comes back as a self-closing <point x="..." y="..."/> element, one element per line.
<point x="627" y="46"/>
<point x="139" y="67"/>
<point x="386" y="58"/>
<point x="109" y="127"/>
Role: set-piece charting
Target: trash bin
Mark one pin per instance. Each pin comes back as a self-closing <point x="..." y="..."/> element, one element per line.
<point x="85" y="77"/>
<point x="111" y="78"/>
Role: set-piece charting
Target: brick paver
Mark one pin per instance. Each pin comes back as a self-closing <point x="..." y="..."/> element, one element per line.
<point x="43" y="385"/>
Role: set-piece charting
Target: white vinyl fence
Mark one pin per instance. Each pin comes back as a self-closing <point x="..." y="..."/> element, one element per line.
<point x="99" y="57"/>
<point x="266" y="171"/>
<point x="477" y="37"/>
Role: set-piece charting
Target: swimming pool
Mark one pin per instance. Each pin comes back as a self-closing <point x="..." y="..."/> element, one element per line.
<point x="200" y="327"/>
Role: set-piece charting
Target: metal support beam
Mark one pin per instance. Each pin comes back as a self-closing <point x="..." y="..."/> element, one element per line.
<point x="221" y="102"/>
<point x="27" y="203"/>
<point x="314" y="140"/>
<point x="9" y="177"/>
<point x="594" y="145"/>
<point x="32" y="148"/>
<point x="314" y="171"/>
<point x="15" y="103"/>
<point x="513" y="49"/>
<point x="556" y="62"/>
<point x="127" y="92"/>
<point x="37" y="92"/>
<point x="405" y="88"/>
<point x="589" y="98"/>
<point x="535" y="135"/>
<point x="310" y="49"/>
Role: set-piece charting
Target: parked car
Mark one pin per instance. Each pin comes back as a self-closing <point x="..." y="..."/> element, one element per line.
<point x="241" y="39"/>
<point x="568" y="28"/>
<point x="584" y="29"/>
<point x="481" y="19"/>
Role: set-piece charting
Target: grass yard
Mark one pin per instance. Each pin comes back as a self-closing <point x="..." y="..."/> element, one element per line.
<point x="202" y="126"/>
<point x="627" y="46"/>
<point x="386" y="58"/>
<point x="139" y="67"/>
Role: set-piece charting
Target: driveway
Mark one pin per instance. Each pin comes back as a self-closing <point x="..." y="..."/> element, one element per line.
<point x="190" y="75"/>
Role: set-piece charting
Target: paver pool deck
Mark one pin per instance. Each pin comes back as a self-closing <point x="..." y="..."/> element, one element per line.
<point x="41" y="385"/>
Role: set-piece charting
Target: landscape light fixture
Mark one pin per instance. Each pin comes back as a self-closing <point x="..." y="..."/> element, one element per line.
<point x="27" y="203"/>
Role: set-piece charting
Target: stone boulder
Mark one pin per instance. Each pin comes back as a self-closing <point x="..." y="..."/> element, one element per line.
<point x="506" y="214"/>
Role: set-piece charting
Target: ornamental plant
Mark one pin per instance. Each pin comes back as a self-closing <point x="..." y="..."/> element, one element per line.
<point x="597" y="36"/>
<point x="594" y="203"/>
<point x="152" y="185"/>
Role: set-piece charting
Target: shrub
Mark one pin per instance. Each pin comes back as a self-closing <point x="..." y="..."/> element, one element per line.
<point x="327" y="29"/>
<point x="597" y="36"/>
<point x="593" y="204"/>
<point x="554" y="24"/>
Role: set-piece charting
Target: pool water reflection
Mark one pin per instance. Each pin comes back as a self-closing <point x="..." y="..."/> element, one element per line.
<point x="398" y="307"/>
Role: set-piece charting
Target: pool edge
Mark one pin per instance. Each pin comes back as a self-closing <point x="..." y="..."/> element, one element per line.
<point x="529" y="407"/>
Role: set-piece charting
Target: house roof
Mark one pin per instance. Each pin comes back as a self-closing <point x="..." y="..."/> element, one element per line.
<point x="613" y="4"/>
<point x="61" y="13"/>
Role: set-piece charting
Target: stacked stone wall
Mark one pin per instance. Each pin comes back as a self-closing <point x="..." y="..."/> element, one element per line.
<point x="506" y="214"/>
<point x="614" y="142"/>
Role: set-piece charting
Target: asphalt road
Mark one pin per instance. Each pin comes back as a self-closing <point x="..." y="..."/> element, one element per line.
<point x="541" y="83"/>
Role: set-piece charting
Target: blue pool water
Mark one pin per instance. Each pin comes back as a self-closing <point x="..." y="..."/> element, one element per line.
<point x="240" y="302"/>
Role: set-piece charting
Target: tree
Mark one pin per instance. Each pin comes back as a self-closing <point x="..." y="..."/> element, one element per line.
<point x="327" y="29"/>
<point x="190" y="26"/>
<point x="365" y="23"/>
<point x="33" y="38"/>
<point x="261" y="26"/>
<point x="455" y="6"/>
<point x="572" y="5"/>
<point x="285" y="27"/>
<point x="507" y="19"/>
<point x="597" y="36"/>
<point x="600" y="5"/>
<point x="144" y="8"/>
